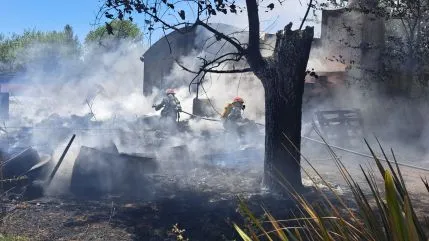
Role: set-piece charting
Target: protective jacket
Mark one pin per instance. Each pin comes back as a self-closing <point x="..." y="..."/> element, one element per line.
<point x="227" y="110"/>
<point x="232" y="112"/>
<point x="171" y="106"/>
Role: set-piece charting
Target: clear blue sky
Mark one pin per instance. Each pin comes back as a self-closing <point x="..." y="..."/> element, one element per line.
<point x="45" y="15"/>
<point x="49" y="15"/>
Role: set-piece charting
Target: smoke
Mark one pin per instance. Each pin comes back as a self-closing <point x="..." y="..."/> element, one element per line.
<point x="222" y="88"/>
<point x="111" y="82"/>
<point x="399" y="123"/>
<point x="59" y="95"/>
<point x="98" y="97"/>
<point x="395" y="123"/>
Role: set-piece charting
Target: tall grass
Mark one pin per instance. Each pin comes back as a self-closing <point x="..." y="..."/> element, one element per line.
<point x="383" y="213"/>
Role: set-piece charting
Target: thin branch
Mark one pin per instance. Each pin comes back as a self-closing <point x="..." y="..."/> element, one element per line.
<point x="158" y="19"/>
<point x="215" y="41"/>
<point x="216" y="63"/>
<point x="306" y="14"/>
<point x="218" y="59"/>
<point x="223" y="36"/>
<point x="232" y="71"/>
<point x="186" y="69"/>
<point x="168" y="41"/>
<point x="192" y="81"/>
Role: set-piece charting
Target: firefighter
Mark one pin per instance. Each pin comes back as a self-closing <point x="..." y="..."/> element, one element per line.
<point x="233" y="110"/>
<point x="233" y="120"/>
<point x="171" y="106"/>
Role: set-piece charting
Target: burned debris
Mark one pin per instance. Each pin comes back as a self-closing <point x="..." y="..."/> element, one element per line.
<point x="341" y="126"/>
<point x="22" y="171"/>
<point x="97" y="173"/>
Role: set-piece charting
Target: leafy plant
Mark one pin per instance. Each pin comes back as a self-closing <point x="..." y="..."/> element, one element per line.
<point x="384" y="214"/>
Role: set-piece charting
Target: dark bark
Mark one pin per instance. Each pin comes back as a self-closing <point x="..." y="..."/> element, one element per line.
<point x="284" y="87"/>
<point x="253" y="53"/>
<point x="282" y="76"/>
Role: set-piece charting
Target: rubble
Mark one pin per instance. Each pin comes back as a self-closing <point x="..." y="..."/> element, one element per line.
<point x="18" y="164"/>
<point x="22" y="173"/>
<point x="341" y="126"/>
<point x="97" y="173"/>
<point x="235" y="159"/>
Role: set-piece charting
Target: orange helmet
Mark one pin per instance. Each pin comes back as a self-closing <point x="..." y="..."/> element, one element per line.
<point x="170" y="91"/>
<point x="238" y="99"/>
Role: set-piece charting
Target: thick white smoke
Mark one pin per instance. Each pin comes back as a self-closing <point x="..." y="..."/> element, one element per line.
<point x="64" y="92"/>
<point x="99" y="98"/>
<point x="222" y="88"/>
<point x="110" y="82"/>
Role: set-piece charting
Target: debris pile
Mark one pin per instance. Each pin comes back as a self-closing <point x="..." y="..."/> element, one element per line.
<point x="100" y="172"/>
<point x="23" y="170"/>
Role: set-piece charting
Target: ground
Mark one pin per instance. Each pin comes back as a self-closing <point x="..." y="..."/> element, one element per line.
<point x="203" y="201"/>
<point x="200" y="196"/>
<point x="206" y="215"/>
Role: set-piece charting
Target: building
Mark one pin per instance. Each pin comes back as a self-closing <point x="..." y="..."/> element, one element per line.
<point x="160" y="57"/>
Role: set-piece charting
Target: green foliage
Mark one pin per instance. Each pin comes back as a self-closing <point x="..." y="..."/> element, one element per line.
<point x="119" y="30"/>
<point x="13" y="49"/>
<point x="382" y="215"/>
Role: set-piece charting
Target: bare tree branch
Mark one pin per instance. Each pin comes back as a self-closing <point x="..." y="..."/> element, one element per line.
<point x="306" y="14"/>
<point x="232" y="71"/>
<point x="187" y="69"/>
<point x="229" y="35"/>
<point x="210" y="66"/>
<point x="175" y="27"/>
<point x="221" y="35"/>
<point x="168" y="41"/>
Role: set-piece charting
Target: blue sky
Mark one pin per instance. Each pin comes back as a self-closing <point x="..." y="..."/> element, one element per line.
<point x="46" y="15"/>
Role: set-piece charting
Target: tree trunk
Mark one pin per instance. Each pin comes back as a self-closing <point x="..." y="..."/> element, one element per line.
<point x="283" y="82"/>
<point x="282" y="76"/>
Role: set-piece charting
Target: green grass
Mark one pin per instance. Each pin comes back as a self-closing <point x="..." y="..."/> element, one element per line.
<point x="12" y="238"/>
<point x="386" y="213"/>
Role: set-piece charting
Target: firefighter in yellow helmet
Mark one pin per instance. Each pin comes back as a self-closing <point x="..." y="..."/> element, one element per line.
<point x="232" y="115"/>
<point x="233" y="110"/>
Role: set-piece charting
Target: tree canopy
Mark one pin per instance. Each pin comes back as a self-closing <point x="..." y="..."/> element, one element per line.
<point x="407" y="42"/>
<point x="18" y="50"/>
<point x="116" y="31"/>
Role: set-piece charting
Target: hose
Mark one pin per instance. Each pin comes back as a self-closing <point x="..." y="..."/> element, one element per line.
<point x="335" y="147"/>
<point x="200" y="117"/>
<point x="364" y="155"/>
